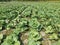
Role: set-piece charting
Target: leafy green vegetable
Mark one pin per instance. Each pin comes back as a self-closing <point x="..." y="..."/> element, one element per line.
<point x="29" y="17"/>
<point x="34" y="23"/>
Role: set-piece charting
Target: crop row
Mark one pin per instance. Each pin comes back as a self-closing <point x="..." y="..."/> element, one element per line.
<point x="31" y="19"/>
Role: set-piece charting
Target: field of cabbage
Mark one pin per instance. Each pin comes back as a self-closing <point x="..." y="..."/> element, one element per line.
<point x="29" y="23"/>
